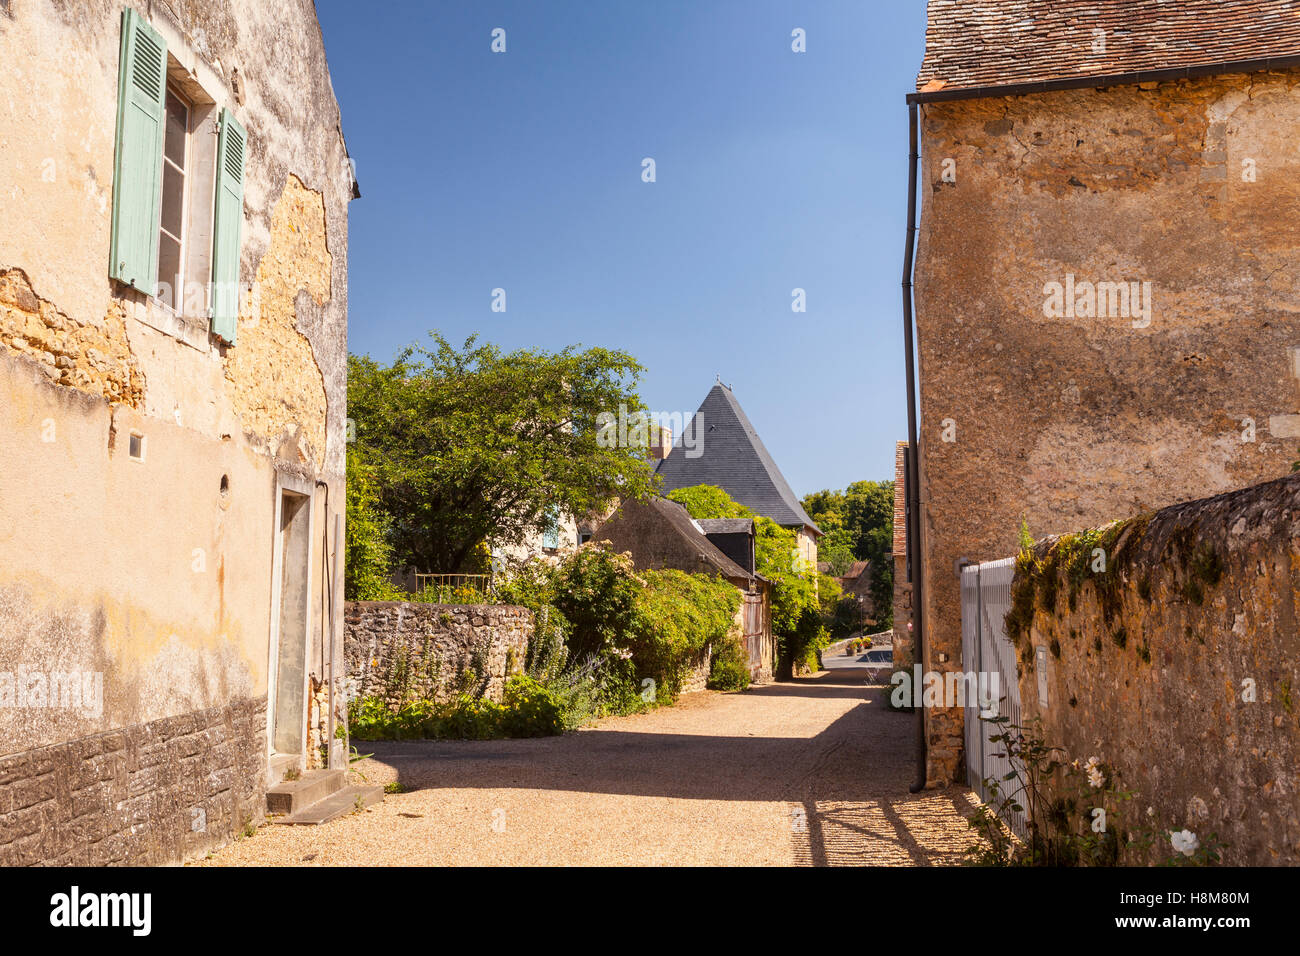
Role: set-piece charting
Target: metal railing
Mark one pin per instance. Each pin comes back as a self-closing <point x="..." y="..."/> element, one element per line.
<point x="448" y="584"/>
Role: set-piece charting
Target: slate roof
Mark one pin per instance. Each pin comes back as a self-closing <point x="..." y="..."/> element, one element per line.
<point x="726" y="525"/>
<point x="978" y="44"/>
<point x="679" y="520"/>
<point x="734" y="459"/>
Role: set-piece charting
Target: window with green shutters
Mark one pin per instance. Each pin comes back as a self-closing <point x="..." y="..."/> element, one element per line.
<point x="228" y="222"/>
<point x="137" y="166"/>
<point x="160" y="235"/>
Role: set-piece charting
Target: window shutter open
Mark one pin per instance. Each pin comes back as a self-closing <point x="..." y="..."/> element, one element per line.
<point x="228" y="223"/>
<point x="137" y="163"/>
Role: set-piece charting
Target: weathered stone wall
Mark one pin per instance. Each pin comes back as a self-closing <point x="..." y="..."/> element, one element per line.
<point x="1191" y="186"/>
<point x="147" y="794"/>
<point x="697" y="676"/>
<point x="1179" y="663"/>
<point x="156" y="574"/>
<point x="402" y="651"/>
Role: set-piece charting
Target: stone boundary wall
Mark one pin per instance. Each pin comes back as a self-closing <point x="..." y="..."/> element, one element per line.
<point x="697" y="677"/>
<point x="399" y="651"/>
<point x="1150" y="663"/>
<point x="149" y="794"/>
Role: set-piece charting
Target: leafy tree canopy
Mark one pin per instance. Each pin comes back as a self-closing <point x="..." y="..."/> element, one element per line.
<point x="860" y="517"/>
<point x="470" y="444"/>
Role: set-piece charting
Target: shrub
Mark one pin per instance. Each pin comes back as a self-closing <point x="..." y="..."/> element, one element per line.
<point x="596" y="591"/>
<point x="528" y="710"/>
<point x="677" y="617"/>
<point x="729" y="669"/>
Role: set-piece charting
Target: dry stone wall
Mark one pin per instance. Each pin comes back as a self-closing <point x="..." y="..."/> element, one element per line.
<point x="1179" y="663"/>
<point x="402" y="651"/>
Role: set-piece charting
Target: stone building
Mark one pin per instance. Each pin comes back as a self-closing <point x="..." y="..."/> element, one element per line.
<point x="659" y="534"/>
<point x="1106" y="306"/>
<point x="728" y="454"/>
<point x="174" y="191"/>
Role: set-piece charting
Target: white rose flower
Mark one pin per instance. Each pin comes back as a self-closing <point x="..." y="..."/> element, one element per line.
<point x="1184" y="841"/>
<point x="1093" y="768"/>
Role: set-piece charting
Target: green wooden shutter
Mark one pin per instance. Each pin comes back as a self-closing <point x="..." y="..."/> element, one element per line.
<point x="227" y="225"/>
<point x="137" y="163"/>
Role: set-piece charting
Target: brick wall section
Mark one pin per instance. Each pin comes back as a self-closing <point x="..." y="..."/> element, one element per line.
<point x="149" y="794"/>
<point x="1206" y="598"/>
<point x="397" y="650"/>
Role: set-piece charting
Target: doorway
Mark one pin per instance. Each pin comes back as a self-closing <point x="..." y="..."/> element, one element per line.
<point x="291" y="622"/>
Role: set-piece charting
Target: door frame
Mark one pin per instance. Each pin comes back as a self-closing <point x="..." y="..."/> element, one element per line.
<point x="286" y="483"/>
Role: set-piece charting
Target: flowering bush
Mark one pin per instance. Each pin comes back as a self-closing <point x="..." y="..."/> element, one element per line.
<point x="1075" y="814"/>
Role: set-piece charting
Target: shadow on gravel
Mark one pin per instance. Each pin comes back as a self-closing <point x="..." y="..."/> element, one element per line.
<point x="847" y="787"/>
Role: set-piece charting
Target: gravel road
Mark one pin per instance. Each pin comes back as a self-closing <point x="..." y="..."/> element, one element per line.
<point x="811" y="772"/>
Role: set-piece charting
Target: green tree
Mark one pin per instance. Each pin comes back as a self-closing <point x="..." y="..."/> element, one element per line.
<point x="368" y="553"/>
<point x="836" y="550"/>
<point x="708" y="501"/>
<point x="863" y="516"/>
<point x="473" y="444"/>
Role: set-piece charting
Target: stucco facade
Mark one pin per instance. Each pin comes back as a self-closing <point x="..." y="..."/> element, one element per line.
<point x="169" y="498"/>
<point x="1043" y="394"/>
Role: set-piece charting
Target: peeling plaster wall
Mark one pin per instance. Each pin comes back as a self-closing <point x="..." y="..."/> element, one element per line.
<point x="148" y="572"/>
<point x="1178" y="666"/>
<point x="277" y="386"/>
<point x="1071" y="422"/>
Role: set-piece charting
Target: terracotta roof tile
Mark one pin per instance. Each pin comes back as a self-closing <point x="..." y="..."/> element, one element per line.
<point x="972" y="44"/>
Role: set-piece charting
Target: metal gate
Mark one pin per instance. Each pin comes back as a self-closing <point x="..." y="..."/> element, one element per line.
<point x="986" y="650"/>
<point x="754" y="632"/>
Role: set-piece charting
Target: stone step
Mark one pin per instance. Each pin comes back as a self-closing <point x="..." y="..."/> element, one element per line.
<point x="334" y="806"/>
<point x="290" y="796"/>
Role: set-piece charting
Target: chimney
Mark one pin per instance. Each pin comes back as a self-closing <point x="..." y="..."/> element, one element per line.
<point x="661" y="443"/>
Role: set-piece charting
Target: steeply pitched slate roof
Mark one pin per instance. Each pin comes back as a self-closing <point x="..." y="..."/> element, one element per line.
<point x="974" y="44"/>
<point x="900" y="501"/>
<point x="733" y="458"/>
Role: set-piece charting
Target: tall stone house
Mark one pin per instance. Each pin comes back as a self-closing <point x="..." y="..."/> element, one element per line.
<point x="174" y="191"/>
<point x="1106" y="306"/>
<point x="730" y="455"/>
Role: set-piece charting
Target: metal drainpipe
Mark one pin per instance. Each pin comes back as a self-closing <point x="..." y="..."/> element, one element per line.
<point x="911" y="470"/>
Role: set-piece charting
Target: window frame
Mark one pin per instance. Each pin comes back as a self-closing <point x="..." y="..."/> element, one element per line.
<point x="178" y="291"/>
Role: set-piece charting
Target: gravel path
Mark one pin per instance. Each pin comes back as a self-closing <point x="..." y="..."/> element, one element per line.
<point x="810" y="772"/>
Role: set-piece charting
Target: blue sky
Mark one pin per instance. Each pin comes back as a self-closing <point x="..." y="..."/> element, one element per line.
<point x="522" y="170"/>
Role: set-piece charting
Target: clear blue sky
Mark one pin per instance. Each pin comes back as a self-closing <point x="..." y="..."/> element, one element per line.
<point x="522" y="170"/>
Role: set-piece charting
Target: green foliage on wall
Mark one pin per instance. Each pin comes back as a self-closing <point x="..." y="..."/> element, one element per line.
<point x="798" y="622"/>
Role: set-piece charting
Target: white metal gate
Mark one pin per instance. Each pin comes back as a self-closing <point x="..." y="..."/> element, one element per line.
<point x="986" y="650"/>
